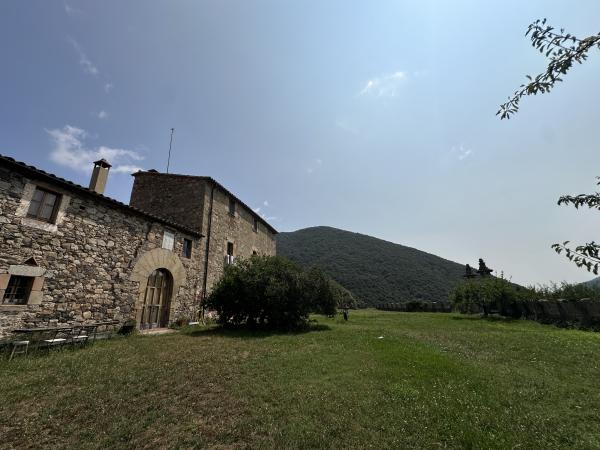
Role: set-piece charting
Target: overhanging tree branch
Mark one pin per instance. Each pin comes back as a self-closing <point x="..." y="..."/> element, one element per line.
<point x="562" y="57"/>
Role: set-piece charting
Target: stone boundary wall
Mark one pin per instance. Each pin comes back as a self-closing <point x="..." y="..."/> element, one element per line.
<point x="582" y="313"/>
<point x="417" y="306"/>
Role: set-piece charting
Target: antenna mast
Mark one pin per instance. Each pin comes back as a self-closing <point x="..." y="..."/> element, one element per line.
<point x="170" y="145"/>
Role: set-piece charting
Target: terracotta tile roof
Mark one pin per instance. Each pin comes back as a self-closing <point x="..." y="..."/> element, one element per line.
<point x="69" y="185"/>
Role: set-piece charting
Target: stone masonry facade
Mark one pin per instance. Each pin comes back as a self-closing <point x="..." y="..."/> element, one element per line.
<point x="203" y="204"/>
<point x="96" y="259"/>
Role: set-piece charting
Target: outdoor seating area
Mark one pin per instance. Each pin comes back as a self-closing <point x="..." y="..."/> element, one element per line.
<point x="25" y="341"/>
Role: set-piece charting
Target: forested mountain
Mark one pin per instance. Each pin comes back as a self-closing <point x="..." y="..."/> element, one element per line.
<point x="374" y="270"/>
<point x="593" y="283"/>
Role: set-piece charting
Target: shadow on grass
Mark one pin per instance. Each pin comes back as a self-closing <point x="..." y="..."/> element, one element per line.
<point x="241" y="332"/>
<point x="488" y="318"/>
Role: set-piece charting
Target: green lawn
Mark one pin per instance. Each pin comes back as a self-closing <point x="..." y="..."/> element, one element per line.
<point x="432" y="381"/>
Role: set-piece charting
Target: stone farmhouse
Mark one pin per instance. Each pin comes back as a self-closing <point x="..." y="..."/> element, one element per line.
<point x="70" y="255"/>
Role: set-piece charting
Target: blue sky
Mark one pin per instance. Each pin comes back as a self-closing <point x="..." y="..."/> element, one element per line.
<point x="375" y="117"/>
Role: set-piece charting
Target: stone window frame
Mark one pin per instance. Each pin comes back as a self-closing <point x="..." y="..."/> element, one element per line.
<point x="55" y="206"/>
<point x="255" y="224"/>
<point x="14" y="285"/>
<point x="35" y="292"/>
<point x="229" y="257"/>
<point x="188" y="245"/>
<point x="232" y="209"/>
<point x="27" y="195"/>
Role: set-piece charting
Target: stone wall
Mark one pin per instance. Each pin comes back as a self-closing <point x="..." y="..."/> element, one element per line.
<point x="178" y="197"/>
<point x="86" y="259"/>
<point x="583" y="313"/>
<point x="236" y="229"/>
<point x="187" y="199"/>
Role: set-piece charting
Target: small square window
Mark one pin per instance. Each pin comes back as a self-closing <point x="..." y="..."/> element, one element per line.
<point x="255" y="224"/>
<point x="232" y="206"/>
<point x="229" y="258"/>
<point x="44" y="205"/>
<point x="187" y="248"/>
<point x="18" y="290"/>
<point x="168" y="240"/>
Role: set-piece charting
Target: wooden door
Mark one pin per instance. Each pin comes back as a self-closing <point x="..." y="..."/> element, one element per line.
<point x="157" y="300"/>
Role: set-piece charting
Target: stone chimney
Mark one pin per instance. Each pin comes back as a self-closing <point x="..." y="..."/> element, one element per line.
<point x="99" y="176"/>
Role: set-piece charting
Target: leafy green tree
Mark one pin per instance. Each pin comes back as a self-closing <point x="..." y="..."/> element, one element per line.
<point x="271" y="292"/>
<point x="484" y="294"/>
<point x="562" y="49"/>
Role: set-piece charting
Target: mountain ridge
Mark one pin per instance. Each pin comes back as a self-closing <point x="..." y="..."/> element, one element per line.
<point x="375" y="270"/>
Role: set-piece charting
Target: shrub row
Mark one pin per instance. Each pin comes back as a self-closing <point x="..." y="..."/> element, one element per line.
<point x="416" y="306"/>
<point x="582" y="313"/>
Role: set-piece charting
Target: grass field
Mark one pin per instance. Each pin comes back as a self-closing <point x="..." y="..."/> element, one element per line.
<point x="431" y="381"/>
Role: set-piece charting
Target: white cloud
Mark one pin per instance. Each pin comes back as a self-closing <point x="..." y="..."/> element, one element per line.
<point x="102" y="115"/>
<point x="315" y="166"/>
<point x="126" y="168"/>
<point x="461" y="151"/>
<point x="258" y="210"/>
<point x="71" y="12"/>
<point x="108" y="87"/>
<point x="87" y="65"/>
<point x="70" y="151"/>
<point x="386" y="85"/>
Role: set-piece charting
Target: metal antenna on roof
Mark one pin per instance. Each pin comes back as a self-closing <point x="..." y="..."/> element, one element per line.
<point x="170" y="145"/>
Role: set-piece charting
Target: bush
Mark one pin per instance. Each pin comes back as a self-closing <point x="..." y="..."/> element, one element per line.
<point x="271" y="292"/>
<point x="344" y="298"/>
<point x="488" y="294"/>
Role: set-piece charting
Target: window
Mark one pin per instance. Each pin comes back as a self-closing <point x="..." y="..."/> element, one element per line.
<point x="229" y="257"/>
<point x="232" y="206"/>
<point x="168" y="240"/>
<point x="254" y="253"/>
<point x="17" y="291"/>
<point x="187" y="248"/>
<point x="255" y="224"/>
<point x="44" y="205"/>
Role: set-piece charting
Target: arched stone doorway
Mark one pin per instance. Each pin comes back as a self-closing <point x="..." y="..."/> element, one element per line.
<point x="148" y="263"/>
<point x="157" y="300"/>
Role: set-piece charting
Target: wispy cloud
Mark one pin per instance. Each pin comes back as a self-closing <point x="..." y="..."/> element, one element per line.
<point x="85" y="63"/>
<point x="71" y="11"/>
<point x="102" y="114"/>
<point x="316" y="165"/>
<point x="259" y="210"/>
<point x="461" y="151"/>
<point x="386" y="85"/>
<point x="108" y="87"/>
<point x="71" y="151"/>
